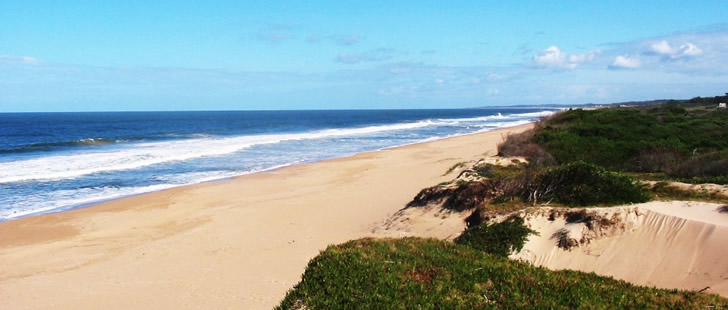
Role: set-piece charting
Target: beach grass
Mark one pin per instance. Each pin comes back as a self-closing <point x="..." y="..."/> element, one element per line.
<point x="454" y="167"/>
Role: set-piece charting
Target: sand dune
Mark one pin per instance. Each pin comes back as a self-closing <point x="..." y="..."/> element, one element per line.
<point x="676" y="244"/>
<point x="237" y="244"/>
<point x="665" y="244"/>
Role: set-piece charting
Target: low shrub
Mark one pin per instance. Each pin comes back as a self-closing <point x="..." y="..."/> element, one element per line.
<point x="473" y="194"/>
<point x="522" y="144"/>
<point x="666" y="191"/>
<point x="464" y="196"/>
<point x="431" y="195"/>
<point x="500" y="172"/>
<point x="584" y="184"/>
<point x="656" y="160"/>
<point x="413" y="273"/>
<point x="500" y="239"/>
<point x="713" y="164"/>
<point x="512" y="188"/>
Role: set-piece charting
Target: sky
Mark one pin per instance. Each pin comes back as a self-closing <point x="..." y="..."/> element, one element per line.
<point x="274" y="55"/>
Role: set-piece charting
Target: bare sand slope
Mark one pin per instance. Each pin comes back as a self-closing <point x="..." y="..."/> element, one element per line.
<point x="237" y="244"/>
<point x="665" y="244"/>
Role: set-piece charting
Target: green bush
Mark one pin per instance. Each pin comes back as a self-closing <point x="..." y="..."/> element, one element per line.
<point x="584" y="184"/>
<point x="647" y="139"/>
<point x="413" y="273"/>
<point x="500" y="239"/>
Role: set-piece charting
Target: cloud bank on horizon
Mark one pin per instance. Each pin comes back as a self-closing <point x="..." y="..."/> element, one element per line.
<point x="336" y="56"/>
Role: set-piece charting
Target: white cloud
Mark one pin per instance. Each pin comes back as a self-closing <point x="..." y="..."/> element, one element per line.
<point x="626" y="62"/>
<point x="22" y="60"/>
<point x="685" y="50"/>
<point x="691" y="53"/>
<point x="690" y="49"/>
<point x="551" y="57"/>
<point x="577" y="59"/>
<point x="663" y="48"/>
<point x="554" y="57"/>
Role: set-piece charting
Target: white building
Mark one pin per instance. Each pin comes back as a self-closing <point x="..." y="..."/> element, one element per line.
<point x="721" y="105"/>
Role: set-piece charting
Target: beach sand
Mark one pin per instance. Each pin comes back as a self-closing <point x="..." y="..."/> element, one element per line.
<point x="239" y="243"/>
<point x="667" y="244"/>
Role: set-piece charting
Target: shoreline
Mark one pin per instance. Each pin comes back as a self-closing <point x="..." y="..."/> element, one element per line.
<point x="242" y="242"/>
<point x="223" y="179"/>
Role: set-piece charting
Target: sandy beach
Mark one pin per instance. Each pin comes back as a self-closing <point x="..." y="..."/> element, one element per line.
<point x="239" y="243"/>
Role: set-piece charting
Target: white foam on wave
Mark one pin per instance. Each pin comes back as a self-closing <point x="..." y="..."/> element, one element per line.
<point x="473" y="119"/>
<point x="68" y="199"/>
<point x="140" y="155"/>
<point x="151" y="153"/>
<point x="497" y="117"/>
<point x="533" y="114"/>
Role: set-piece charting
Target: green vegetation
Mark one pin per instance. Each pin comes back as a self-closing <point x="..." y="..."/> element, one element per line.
<point x="665" y="191"/>
<point x="455" y="166"/>
<point x="685" y="143"/>
<point x="514" y="187"/>
<point x="499" y="239"/>
<point x="569" y="157"/>
<point x="500" y="172"/>
<point x="584" y="184"/>
<point x="415" y="273"/>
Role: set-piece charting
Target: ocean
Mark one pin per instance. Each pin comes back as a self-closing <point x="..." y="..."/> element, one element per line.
<point x="51" y="162"/>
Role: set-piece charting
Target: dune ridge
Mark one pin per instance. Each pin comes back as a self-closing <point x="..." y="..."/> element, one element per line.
<point x="675" y="244"/>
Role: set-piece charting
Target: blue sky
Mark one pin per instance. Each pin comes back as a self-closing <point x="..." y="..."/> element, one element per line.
<point x="243" y="55"/>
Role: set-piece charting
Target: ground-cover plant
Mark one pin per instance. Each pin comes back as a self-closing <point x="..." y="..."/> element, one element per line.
<point x="584" y="184"/>
<point x="667" y="191"/>
<point x="501" y="239"/>
<point x="413" y="273"/>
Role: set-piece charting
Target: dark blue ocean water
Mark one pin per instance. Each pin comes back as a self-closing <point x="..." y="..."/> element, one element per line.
<point x="56" y="161"/>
